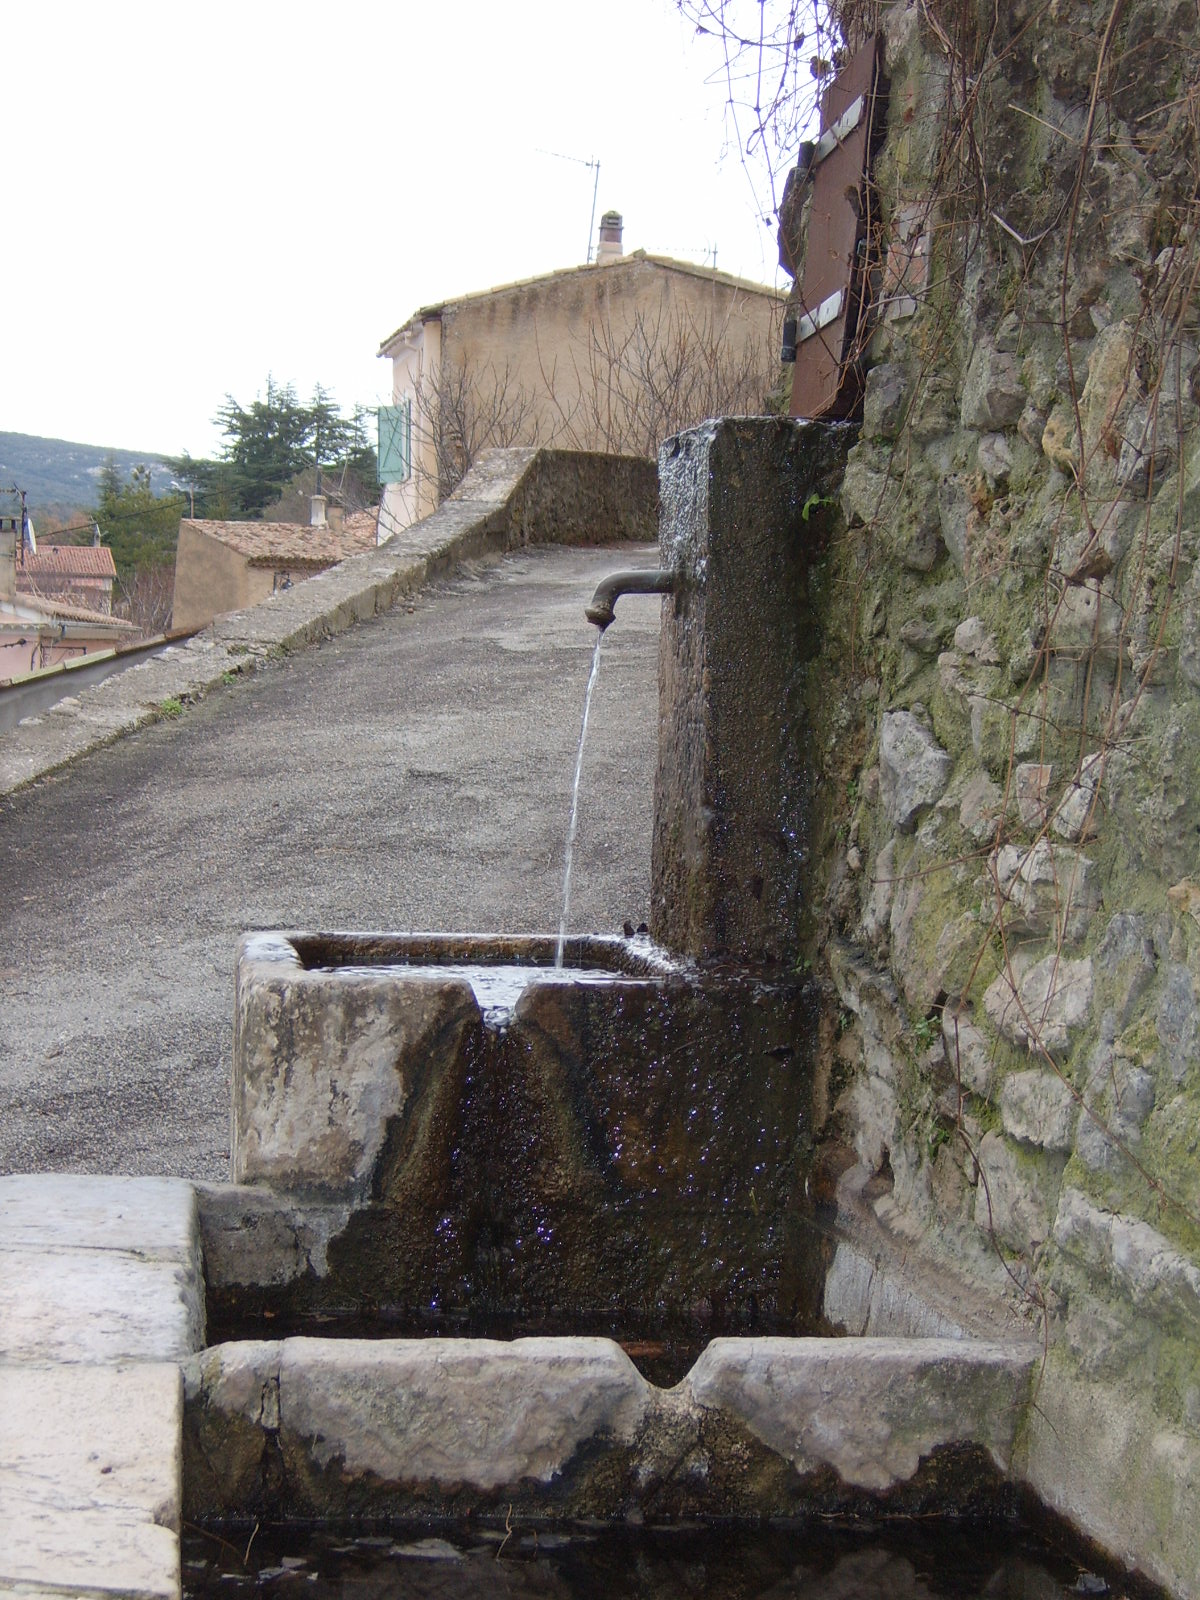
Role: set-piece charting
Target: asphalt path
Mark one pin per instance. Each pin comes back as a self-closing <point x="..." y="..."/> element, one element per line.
<point x="413" y="773"/>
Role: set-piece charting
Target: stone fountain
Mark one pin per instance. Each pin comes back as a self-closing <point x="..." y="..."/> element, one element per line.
<point x="443" y="1134"/>
<point x="509" y="1240"/>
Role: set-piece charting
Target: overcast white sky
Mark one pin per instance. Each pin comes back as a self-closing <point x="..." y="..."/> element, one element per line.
<point x="197" y="195"/>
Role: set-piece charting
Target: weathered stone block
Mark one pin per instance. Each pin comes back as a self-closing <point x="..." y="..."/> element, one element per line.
<point x="1039" y="1006"/>
<point x="1077" y="812"/>
<point x="733" y="785"/>
<point x="1156" y="1276"/>
<point x="972" y="639"/>
<point x="90" y="1497"/>
<point x="1031" y="783"/>
<point x="1087" y="620"/>
<point x="970" y="1054"/>
<point x="1122" y="1097"/>
<point x="993" y="395"/>
<point x="868" y="1408"/>
<point x="1017" y="1193"/>
<point x="954" y="505"/>
<point x="77" y="1282"/>
<point x="1047" y="890"/>
<point x="1038" y="1108"/>
<point x="320" y="1071"/>
<point x="1126" y="958"/>
<point x="885" y="402"/>
<point x="981" y="805"/>
<point x="454" y="1412"/>
<point x="877" y="905"/>
<point x="995" y="459"/>
<point x="913" y="769"/>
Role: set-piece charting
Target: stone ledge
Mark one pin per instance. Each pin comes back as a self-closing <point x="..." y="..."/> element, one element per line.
<point x="98" y="1270"/>
<point x="871" y="1409"/>
<point x="568" y="1427"/>
<point x="90" y="1481"/>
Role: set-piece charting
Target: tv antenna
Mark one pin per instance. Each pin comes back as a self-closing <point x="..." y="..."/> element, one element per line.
<point x="594" y="165"/>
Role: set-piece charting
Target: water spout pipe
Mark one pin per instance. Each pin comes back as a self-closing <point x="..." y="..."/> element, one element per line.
<point x="652" y="580"/>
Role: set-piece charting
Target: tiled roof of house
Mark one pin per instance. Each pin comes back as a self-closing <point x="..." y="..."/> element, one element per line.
<point x="64" y="611"/>
<point x="297" y="543"/>
<point x="67" y="561"/>
<point x="634" y="259"/>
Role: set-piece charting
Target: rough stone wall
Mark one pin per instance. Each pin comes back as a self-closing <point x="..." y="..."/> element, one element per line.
<point x="1008" y="827"/>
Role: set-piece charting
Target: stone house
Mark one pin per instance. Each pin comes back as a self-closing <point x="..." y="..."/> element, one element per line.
<point x="225" y="566"/>
<point x="581" y="358"/>
<point x="36" y="631"/>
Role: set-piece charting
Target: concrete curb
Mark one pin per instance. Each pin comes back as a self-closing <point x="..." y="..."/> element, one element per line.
<point x="509" y="498"/>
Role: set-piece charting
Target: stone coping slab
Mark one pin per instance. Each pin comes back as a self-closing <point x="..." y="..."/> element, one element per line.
<point x="98" y="1270"/>
<point x="90" y="1481"/>
<point x="509" y="498"/>
<point x="153" y="1217"/>
<point x="869" y="1408"/>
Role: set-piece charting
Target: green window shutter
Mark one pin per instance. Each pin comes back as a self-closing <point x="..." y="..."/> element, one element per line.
<point x="395" y="443"/>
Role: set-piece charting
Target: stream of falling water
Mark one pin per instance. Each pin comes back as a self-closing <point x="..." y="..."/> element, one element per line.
<point x="574" y="822"/>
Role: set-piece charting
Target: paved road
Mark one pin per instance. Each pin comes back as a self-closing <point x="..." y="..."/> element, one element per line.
<point x="413" y="773"/>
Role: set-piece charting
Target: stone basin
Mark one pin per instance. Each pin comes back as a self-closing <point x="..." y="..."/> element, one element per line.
<point x="626" y="1136"/>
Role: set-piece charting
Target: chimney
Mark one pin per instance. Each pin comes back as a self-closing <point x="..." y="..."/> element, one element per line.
<point x="610" y="237"/>
<point x="316" y="517"/>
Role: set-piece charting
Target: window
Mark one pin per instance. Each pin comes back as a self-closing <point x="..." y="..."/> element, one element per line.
<point x="395" y="442"/>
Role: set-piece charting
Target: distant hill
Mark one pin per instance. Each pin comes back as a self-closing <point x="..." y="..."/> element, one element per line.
<point x="57" y="474"/>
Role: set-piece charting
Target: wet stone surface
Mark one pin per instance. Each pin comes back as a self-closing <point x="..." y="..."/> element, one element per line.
<point x="625" y="1156"/>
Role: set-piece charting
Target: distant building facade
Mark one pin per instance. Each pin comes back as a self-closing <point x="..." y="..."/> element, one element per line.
<point x="38" y="630"/>
<point x="613" y="356"/>
<point x="226" y="566"/>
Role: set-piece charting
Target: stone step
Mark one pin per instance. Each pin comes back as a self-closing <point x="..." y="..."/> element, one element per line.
<point x="99" y="1269"/>
<point x="90" y="1480"/>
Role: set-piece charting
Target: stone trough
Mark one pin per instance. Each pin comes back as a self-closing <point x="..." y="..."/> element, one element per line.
<point x="118" y="1421"/>
<point x="482" y="1134"/>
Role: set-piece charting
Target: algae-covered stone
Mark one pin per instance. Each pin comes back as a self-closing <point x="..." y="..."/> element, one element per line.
<point x="1120" y="1098"/>
<point x="1177" y="1022"/>
<point x="1017" y="1193"/>
<point x="1127" y="960"/>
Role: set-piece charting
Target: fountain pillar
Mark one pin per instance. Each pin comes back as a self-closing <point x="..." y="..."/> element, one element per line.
<point x="746" y="508"/>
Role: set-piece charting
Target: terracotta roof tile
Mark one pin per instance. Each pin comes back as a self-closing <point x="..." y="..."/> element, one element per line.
<point x="294" y="542"/>
<point x="64" y="611"/>
<point x="68" y="561"/>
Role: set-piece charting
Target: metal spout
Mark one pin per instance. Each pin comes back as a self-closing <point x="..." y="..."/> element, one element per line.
<point x="653" y="580"/>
